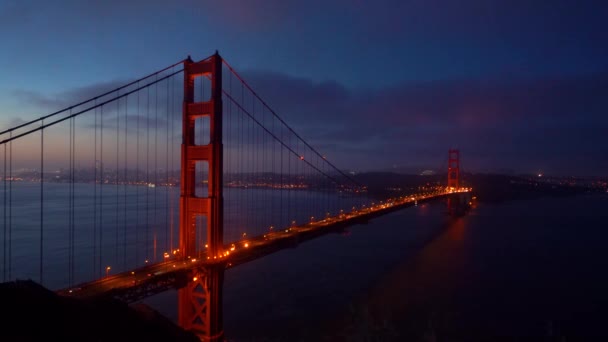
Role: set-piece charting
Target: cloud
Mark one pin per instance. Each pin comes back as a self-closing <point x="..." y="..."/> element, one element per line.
<point x="554" y="124"/>
<point x="151" y="107"/>
<point x="66" y="98"/>
<point x="521" y="125"/>
<point x="247" y="14"/>
<point x="16" y="122"/>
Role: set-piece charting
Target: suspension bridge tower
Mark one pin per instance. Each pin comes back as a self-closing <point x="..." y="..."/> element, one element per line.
<point x="458" y="202"/>
<point x="453" y="168"/>
<point x="200" y="301"/>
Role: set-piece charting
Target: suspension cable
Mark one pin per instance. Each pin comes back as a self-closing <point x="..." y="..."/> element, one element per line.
<point x="87" y="109"/>
<point x="101" y="181"/>
<point x="137" y="183"/>
<point x="284" y="123"/>
<point x="4" y="193"/>
<point x="277" y="138"/>
<point x="125" y="182"/>
<point x="95" y="194"/>
<point x="117" y="181"/>
<point x="91" y="99"/>
<point x="41" y="204"/>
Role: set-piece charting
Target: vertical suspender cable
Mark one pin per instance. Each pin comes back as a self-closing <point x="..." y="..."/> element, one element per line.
<point x="10" y="207"/>
<point x="41" y="201"/>
<point x="95" y="193"/>
<point x="4" y="193"/>
<point x="243" y="196"/>
<point x="70" y="203"/>
<point x="245" y="175"/>
<point x="73" y="199"/>
<point x="230" y="141"/>
<point x="252" y="193"/>
<point x="263" y="170"/>
<point x="282" y="181"/>
<point x="167" y="247"/>
<point x="69" y="215"/>
<point x="148" y="176"/>
<point x="254" y="153"/>
<point x="125" y="181"/>
<point x="247" y="167"/>
<point x="101" y="181"/>
<point x="172" y="155"/>
<point x="155" y="162"/>
<point x="272" y="160"/>
<point x="116" y="227"/>
<point x="137" y="183"/>
<point x="199" y="140"/>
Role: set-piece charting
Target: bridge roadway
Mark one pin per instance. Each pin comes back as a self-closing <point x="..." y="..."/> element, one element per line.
<point x="174" y="272"/>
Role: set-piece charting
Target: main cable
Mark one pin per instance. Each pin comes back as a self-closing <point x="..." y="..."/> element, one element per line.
<point x="275" y="137"/>
<point x="284" y="123"/>
<point x="89" y="100"/>
<point x="11" y="138"/>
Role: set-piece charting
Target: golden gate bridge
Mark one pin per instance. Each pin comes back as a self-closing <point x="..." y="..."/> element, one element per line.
<point x="249" y="185"/>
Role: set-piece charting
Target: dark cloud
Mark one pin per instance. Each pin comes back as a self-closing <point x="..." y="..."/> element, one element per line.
<point x="557" y="125"/>
<point x="16" y="122"/>
<point x="152" y="108"/>
<point x="67" y="98"/>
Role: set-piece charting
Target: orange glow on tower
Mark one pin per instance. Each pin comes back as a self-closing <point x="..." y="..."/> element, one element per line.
<point x="200" y="301"/>
<point x="453" y="168"/>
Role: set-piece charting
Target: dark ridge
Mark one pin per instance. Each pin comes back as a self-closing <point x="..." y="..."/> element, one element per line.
<point x="31" y="312"/>
<point x="382" y="184"/>
<point x="500" y="188"/>
<point x="488" y="187"/>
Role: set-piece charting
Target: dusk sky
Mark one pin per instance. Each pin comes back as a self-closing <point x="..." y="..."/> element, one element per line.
<point x="515" y="85"/>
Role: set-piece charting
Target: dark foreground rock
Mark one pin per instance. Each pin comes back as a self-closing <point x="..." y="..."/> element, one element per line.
<point x="30" y="312"/>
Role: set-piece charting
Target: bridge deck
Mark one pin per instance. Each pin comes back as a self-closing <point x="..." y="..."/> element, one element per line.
<point x="155" y="278"/>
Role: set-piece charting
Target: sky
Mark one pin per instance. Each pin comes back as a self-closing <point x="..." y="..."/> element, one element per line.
<point x="517" y="86"/>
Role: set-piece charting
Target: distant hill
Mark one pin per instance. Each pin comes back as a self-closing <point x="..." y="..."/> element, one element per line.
<point x="386" y="183"/>
<point x="488" y="186"/>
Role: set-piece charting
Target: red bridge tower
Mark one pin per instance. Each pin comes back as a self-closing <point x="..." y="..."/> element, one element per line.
<point x="200" y="301"/>
<point x="453" y="168"/>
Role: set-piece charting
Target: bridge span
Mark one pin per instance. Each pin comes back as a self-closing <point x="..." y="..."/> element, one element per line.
<point x="177" y="270"/>
<point x="230" y="138"/>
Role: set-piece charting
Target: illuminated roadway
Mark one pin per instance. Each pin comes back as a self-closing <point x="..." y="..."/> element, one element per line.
<point x="174" y="273"/>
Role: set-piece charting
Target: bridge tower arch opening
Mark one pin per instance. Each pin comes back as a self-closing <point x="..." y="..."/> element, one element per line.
<point x="200" y="301"/>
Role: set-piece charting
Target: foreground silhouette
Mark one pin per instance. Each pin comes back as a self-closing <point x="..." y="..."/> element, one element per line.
<point x="31" y="312"/>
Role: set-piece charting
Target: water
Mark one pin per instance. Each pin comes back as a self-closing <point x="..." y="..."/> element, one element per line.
<point x="531" y="269"/>
<point x="515" y="269"/>
<point x="125" y="226"/>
